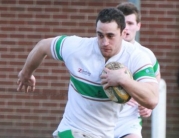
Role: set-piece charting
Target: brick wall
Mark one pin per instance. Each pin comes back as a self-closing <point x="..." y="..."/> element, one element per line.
<point x="160" y="32"/>
<point x="23" y="23"/>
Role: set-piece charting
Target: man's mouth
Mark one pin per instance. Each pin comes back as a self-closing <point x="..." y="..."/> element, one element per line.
<point x="106" y="50"/>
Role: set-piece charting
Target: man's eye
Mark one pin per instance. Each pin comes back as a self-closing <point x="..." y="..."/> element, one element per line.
<point x="130" y="23"/>
<point x="110" y="36"/>
<point x="100" y="35"/>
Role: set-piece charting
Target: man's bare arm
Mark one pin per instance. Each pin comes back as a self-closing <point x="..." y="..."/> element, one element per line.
<point x="34" y="59"/>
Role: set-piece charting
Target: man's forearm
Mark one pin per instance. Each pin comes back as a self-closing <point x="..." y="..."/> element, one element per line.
<point x="34" y="59"/>
<point x="146" y="94"/>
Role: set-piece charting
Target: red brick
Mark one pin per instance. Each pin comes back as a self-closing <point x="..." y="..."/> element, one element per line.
<point x="24" y="23"/>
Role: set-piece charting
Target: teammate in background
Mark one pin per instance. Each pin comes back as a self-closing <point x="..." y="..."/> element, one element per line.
<point x="89" y="113"/>
<point x="129" y="124"/>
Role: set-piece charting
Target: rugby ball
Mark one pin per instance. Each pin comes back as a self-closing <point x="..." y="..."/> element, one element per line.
<point x="117" y="93"/>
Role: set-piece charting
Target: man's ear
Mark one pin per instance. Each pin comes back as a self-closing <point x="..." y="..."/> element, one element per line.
<point x="138" y="26"/>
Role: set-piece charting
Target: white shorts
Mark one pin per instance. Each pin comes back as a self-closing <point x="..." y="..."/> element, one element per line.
<point x="128" y="125"/>
<point x="73" y="134"/>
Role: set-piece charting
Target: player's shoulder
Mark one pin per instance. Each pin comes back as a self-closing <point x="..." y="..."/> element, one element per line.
<point x="131" y="49"/>
<point x="145" y="49"/>
<point x="79" y="38"/>
<point x="128" y="47"/>
<point x="77" y="42"/>
<point x="74" y="38"/>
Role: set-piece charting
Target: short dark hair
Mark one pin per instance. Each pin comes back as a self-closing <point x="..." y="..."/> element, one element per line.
<point x="112" y="14"/>
<point x="129" y="8"/>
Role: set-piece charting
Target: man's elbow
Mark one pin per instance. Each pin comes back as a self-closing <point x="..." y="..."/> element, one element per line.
<point x="44" y="46"/>
<point x="153" y="100"/>
<point x="152" y="103"/>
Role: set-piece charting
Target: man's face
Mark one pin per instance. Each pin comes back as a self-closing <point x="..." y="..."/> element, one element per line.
<point x="109" y="38"/>
<point x="131" y="28"/>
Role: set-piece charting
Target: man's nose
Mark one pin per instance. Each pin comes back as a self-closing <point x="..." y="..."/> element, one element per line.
<point x="127" y="26"/>
<point x="105" y="41"/>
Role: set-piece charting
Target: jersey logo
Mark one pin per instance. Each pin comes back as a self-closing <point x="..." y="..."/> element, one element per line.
<point x="84" y="72"/>
<point x="149" y="71"/>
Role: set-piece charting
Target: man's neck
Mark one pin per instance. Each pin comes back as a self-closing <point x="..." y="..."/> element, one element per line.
<point x="132" y="41"/>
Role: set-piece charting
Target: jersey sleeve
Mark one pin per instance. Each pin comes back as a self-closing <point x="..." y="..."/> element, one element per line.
<point x="156" y="68"/>
<point x="63" y="46"/>
<point x="142" y="67"/>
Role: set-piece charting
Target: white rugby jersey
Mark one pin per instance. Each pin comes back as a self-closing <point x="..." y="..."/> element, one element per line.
<point x="156" y="66"/>
<point x="132" y="111"/>
<point x="127" y="109"/>
<point x="88" y="108"/>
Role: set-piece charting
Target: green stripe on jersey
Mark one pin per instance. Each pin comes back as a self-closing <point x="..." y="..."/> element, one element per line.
<point x="58" y="46"/>
<point x="140" y="121"/>
<point x="144" y="72"/>
<point x="156" y="66"/>
<point x="65" y="134"/>
<point x="88" y="89"/>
